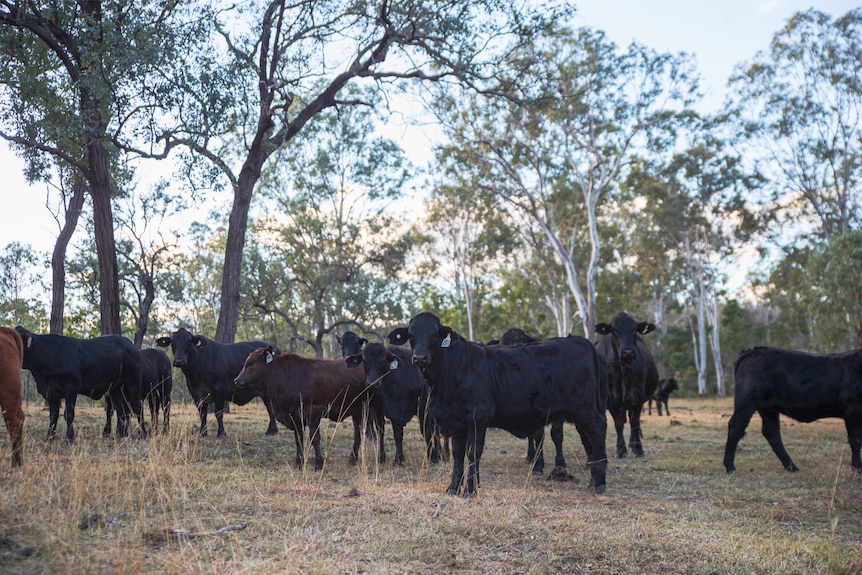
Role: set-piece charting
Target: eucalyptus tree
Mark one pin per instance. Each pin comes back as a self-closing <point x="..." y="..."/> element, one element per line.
<point x="800" y="105"/>
<point x="696" y="207"/>
<point x="272" y="66"/>
<point x="329" y="237"/>
<point x="467" y="239"/>
<point x="588" y="106"/>
<point x="20" y="280"/>
<point x="73" y="74"/>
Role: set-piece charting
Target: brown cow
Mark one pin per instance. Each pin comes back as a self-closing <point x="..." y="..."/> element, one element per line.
<point x="303" y="390"/>
<point x="11" y="359"/>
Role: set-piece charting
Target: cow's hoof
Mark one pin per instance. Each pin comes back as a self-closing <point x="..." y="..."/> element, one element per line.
<point x="452" y="491"/>
<point x="560" y="474"/>
<point x="270" y="432"/>
<point x="398" y="463"/>
<point x="538" y="472"/>
<point x="352" y="459"/>
<point x="204" y="433"/>
<point x="792" y="468"/>
<point x="731" y="471"/>
<point x="599" y="489"/>
<point x="621" y="454"/>
<point x="222" y="437"/>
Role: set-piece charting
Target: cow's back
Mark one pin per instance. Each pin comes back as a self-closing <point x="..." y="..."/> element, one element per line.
<point x="801" y="385"/>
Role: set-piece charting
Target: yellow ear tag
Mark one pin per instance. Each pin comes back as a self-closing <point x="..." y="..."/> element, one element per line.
<point x="447" y="341"/>
<point x="394" y="364"/>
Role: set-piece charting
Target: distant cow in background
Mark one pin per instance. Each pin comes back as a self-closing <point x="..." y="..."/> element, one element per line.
<point x="390" y="372"/>
<point x="11" y="359"/>
<point x="802" y="386"/>
<point x="304" y="390"/>
<point x="210" y="368"/>
<point x="662" y="394"/>
<point x="157" y="384"/>
<point x="632" y="376"/>
<point x="65" y="367"/>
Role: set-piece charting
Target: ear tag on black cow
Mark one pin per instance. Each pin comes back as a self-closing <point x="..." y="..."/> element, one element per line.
<point x="268" y="358"/>
<point x="394" y="364"/>
<point x="447" y="341"/>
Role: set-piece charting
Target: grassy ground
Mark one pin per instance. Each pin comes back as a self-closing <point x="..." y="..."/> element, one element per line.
<point x="108" y="505"/>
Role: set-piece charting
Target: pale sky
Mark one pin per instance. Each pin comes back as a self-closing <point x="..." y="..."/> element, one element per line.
<point x="720" y="33"/>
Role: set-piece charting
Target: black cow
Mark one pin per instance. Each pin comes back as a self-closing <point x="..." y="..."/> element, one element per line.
<point x="662" y="394"/>
<point x="800" y="385"/>
<point x="404" y="394"/>
<point x="157" y="383"/>
<point x="65" y="367"/>
<point x="516" y="388"/>
<point x="304" y="390"/>
<point x="535" y="452"/>
<point x="632" y="376"/>
<point x="350" y="343"/>
<point x="210" y="368"/>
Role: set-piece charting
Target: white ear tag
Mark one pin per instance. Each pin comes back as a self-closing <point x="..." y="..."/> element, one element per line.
<point x="447" y="341"/>
<point x="394" y="364"/>
<point x="269" y="358"/>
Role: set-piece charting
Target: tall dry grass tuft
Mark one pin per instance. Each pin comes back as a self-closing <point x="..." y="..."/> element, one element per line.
<point x="132" y="505"/>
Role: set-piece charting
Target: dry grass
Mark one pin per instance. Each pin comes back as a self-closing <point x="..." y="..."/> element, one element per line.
<point x="674" y="512"/>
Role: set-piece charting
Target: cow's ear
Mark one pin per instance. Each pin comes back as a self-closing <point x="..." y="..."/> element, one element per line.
<point x="198" y="341"/>
<point x="398" y="336"/>
<point x="163" y="342"/>
<point x="603" y="328"/>
<point x="644" y="327"/>
<point x="354" y="360"/>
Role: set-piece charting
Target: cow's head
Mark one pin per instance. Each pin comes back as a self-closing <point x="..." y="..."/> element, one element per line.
<point x="183" y="345"/>
<point x="517" y="336"/>
<point x="624" y="331"/>
<point x="351" y="344"/>
<point x="427" y="337"/>
<point x="257" y="364"/>
<point x="27" y="340"/>
<point x="377" y="360"/>
<point x="670" y="384"/>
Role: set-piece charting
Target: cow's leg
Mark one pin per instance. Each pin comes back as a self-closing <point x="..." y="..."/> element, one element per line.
<point x="109" y="416"/>
<point x="649" y="407"/>
<point x="296" y="426"/>
<point x="771" y="430"/>
<point x="203" y="407"/>
<point x="429" y="434"/>
<point x="854" y="437"/>
<point x="596" y="434"/>
<point x="398" y="433"/>
<point x="272" y="428"/>
<point x="735" y="431"/>
<point x="459" y="450"/>
<point x="166" y="411"/>
<point x="475" y="447"/>
<point x="69" y="416"/>
<point x="619" y="416"/>
<point x="154" y="399"/>
<point x="219" y="415"/>
<point x="557" y="433"/>
<point x="666" y="408"/>
<point x="122" y="407"/>
<point x="537" y="442"/>
<point x="53" y="416"/>
<point x="314" y="435"/>
<point x="635" y="433"/>
<point x="358" y="421"/>
<point x="380" y="427"/>
<point x="13" y="416"/>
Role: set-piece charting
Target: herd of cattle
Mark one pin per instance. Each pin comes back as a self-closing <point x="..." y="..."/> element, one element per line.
<point x="456" y="388"/>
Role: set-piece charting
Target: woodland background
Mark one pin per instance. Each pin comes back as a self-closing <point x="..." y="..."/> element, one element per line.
<point x="229" y="168"/>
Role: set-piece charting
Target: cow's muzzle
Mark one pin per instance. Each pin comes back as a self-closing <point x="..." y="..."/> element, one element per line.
<point x="421" y="360"/>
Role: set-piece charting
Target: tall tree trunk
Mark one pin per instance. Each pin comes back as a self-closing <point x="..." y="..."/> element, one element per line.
<point x="106" y="249"/>
<point x="58" y="258"/>
<point x="715" y="338"/>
